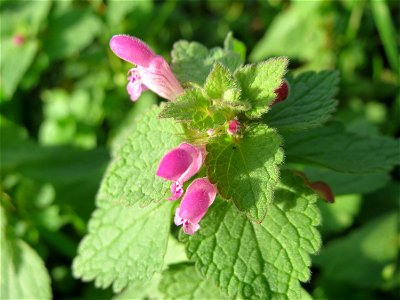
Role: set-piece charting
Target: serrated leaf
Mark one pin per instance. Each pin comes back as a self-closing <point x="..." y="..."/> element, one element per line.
<point x="192" y="62"/>
<point x="258" y="83"/>
<point x="367" y="250"/>
<point x="309" y="104"/>
<point x="150" y="290"/>
<point x="335" y="148"/>
<point x="194" y="107"/>
<point x="246" y="169"/>
<point x="181" y="281"/>
<point x="130" y="177"/>
<point x="219" y="81"/>
<point x="344" y="183"/>
<point x="124" y="244"/>
<point x="23" y="273"/>
<point x="259" y="261"/>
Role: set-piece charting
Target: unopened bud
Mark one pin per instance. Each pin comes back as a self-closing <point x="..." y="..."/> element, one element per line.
<point x="234" y="127"/>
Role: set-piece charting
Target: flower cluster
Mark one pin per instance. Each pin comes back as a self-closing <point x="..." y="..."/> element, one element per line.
<point x="179" y="165"/>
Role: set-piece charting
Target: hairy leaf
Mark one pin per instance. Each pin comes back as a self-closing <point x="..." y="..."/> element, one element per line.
<point x="246" y="169"/>
<point x="219" y="81"/>
<point x="260" y="261"/>
<point x="130" y="177"/>
<point x="192" y="62"/>
<point x="259" y="82"/>
<point x="124" y="244"/>
<point x="309" y="104"/>
<point x="334" y="148"/>
<point x="23" y="273"/>
<point x="194" y="107"/>
<point x="181" y="281"/>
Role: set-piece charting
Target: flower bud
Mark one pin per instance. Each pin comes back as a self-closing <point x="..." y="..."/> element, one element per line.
<point x="234" y="127"/>
<point x="281" y="92"/>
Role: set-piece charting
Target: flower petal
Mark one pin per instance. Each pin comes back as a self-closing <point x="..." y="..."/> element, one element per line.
<point x="134" y="89"/>
<point x="199" y="196"/>
<point x="174" y="164"/>
<point x="177" y="219"/>
<point x="176" y="191"/>
<point x="190" y="228"/>
<point x="198" y="156"/>
<point x="160" y="79"/>
<point x="132" y="49"/>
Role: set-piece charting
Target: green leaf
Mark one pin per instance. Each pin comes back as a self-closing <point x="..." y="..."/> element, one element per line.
<point x="334" y="148"/>
<point x="344" y="183"/>
<point x="23" y="17"/>
<point x="259" y="82"/>
<point x="232" y="44"/>
<point x="124" y="244"/>
<point x="246" y="170"/>
<point x="130" y="178"/>
<point x="192" y="62"/>
<point x="300" y="31"/>
<point x="23" y="273"/>
<point x="150" y="290"/>
<point x="259" y="261"/>
<point x="181" y="281"/>
<point x="360" y="257"/>
<point x="118" y="11"/>
<point x="70" y="31"/>
<point x="123" y="131"/>
<point x="219" y="81"/>
<point x="210" y="107"/>
<point x="193" y="107"/>
<point x="310" y="102"/>
<point x="15" y="61"/>
<point x="387" y="31"/>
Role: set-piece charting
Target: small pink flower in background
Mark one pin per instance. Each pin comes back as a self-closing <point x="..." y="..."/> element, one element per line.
<point x="234" y="127"/>
<point x="18" y="39"/>
<point x="199" y="196"/>
<point x="179" y="165"/>
<point x="151" y="71"/>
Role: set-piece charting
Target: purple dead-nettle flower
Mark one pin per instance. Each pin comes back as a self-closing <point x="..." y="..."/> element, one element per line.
<point x="151" y="71"/>
<point x="199" y="196"/>
<point x="234" y="127"/>
<point x="179" y="165"/>
<point x="18" y="40"/>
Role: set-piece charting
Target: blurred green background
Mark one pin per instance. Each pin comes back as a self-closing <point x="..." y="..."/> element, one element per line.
<point x="63" y="105"/>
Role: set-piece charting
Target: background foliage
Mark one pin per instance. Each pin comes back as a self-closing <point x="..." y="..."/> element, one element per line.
<point x="64" y="109"/>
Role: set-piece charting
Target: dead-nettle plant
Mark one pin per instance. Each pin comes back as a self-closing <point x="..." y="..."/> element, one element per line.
<point x="222" y="158"/>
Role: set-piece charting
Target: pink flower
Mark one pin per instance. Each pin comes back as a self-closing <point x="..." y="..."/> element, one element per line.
<point x="18" y="39"/>
<point x="199" y="196"/>
<point x="179" y="164"/>
<point x="151" y="71"/>
<point x="234" y="127"/>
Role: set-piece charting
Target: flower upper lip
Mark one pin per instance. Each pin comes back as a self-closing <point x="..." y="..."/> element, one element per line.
<point x="151" y="71"/>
